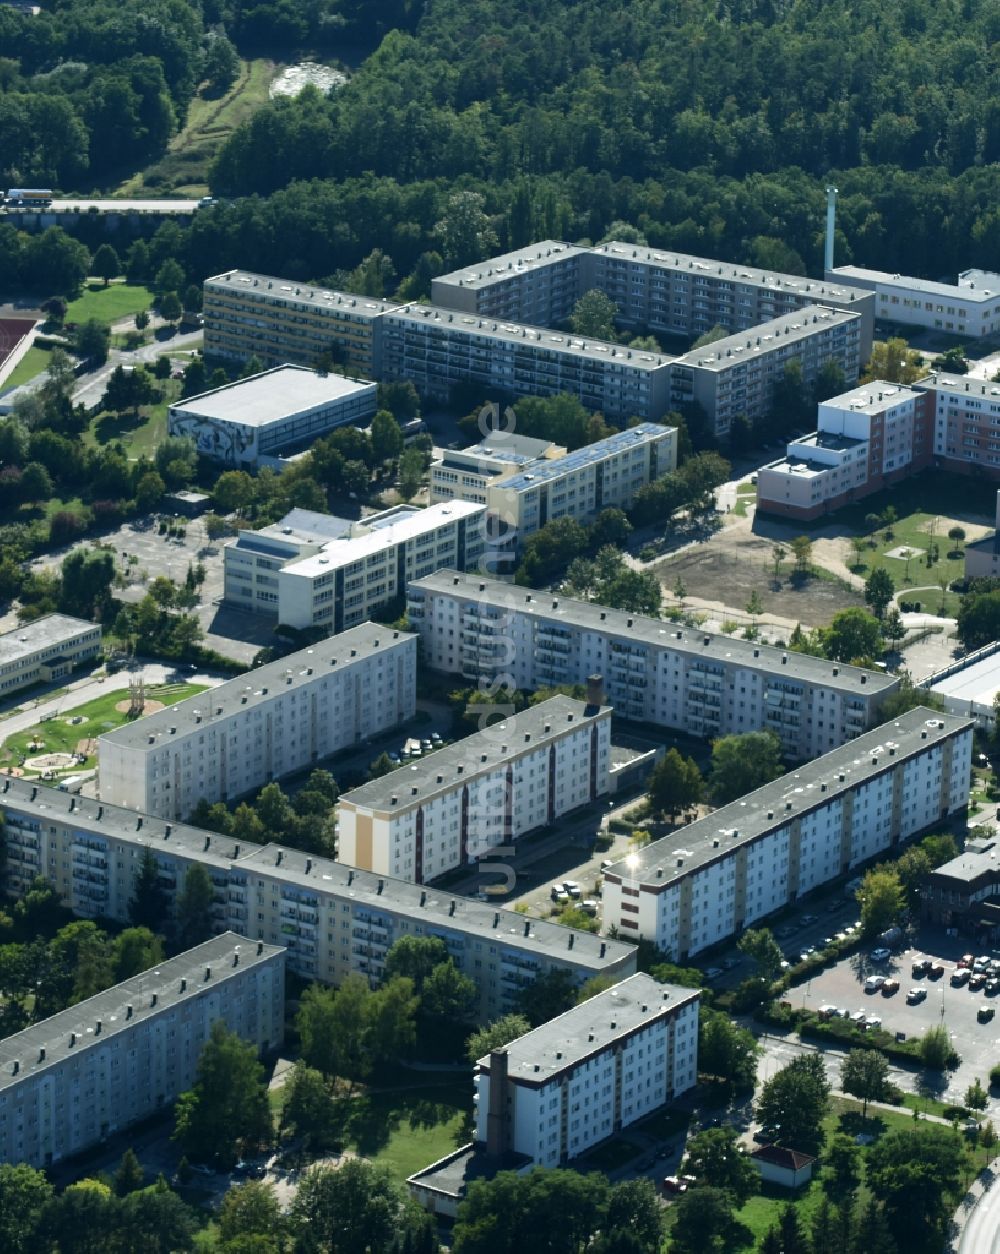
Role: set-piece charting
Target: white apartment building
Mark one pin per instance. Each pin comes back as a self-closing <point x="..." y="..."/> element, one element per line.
<point x="338" y="582"/>
<point x="737" y="375"/>
<point x="271" y="722"/>
<point x="606" y="474"/>
<point x="436" y="349"/>
<point x="334" y="920"/>
<point x="466" y="474"/>
<point x="653" y="671"/>
<point x="969" y="307"/>
<point x="866" y="439"/>
<point x="561" y="1089"/>
<point x="47" y="649"/>
<point x="712" y="879"/>
<point x="468" y="800"/>
<point x="253" y="421"/>
<point x="71" y="1081"/>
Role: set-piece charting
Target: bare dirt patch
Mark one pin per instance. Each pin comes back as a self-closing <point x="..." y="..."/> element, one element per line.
<point x="736" y="563"/>
<point x="149" y="707"/>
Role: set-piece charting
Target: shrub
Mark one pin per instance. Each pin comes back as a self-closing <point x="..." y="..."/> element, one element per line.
<point x="995" y="1076"/>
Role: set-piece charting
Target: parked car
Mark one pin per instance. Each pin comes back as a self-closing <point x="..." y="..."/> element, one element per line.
<point x="977" y="981"/>
<point x="916" y="995"/>
<point x="873" y="1022"/>
<point x="571" y="887"/>
<point x="936" y="970"/>
<point x="607" y="864"/>
<point x="959" y="977"/>
<point x="920" y="966"/>
<point x="677" y="1184"/>
<point x="714" y="973"/>
<point x="985" y="1013"/>
<point x="880" y="955"/>
<point x="966" y="960"/>
<point x="992" y="986"/>
<point x="889" y="987"/>
<point x="809" y="919"/>
<point x="559" y="894"/>
<point x="874" y="983"/>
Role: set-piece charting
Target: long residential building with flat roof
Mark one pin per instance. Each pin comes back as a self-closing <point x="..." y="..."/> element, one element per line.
<point x="964" y="415"/>
<point x="283" y="321"/>
<point x="437" y="349"/>
<point x="654" y="672"/>
<point x="334" y="920"/>
<point x="577" y="1080"/>
<point x="269" y="723"/>
<point x="471" y="799"/>
<point x="48" y="648"/>
<point x="706" y="882"/>
<point x="103" y="1065"/>
<point x="656" y="289"/>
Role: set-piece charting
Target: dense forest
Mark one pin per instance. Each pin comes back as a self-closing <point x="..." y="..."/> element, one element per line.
<point x="708" y="127"/>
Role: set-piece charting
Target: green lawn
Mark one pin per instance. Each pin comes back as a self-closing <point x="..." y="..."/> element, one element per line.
<point x="109" y="304"/>
<point x="140" y="434"/>
<point x="917" y="528"/>
<point x="34" y="361"/>
<point x="61" y="735"/>
<point x="410" y="1129"/>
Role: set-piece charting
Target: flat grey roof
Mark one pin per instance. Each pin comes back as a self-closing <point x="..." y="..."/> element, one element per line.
<point x="256" y="687"/>
<point x="50" y="629"/>
<point x="590" y="1028"/>
<point x="438" y="908"/>
<point x="969" y="866"/>
<point x="482" y="274"/>
<point x="977" y="682"/>
<point x="111" y="1007"/>
<point x="752" y="276"/>
<point x="580" y="616"/>
<point x="959" y="383"/>
<point x="306" y="525"/>
<point x="952" y="291"/>
<point x="288" y="292"/>
<point x="778" y="332"/>
<point x="272" y="396"/>
<point x="785" y="799"/>
<point x="443" y="913"/>
<point x="871" y="398"/>
<point x="511" y="448"/>
<point x="104" y="821"/>
<point x="541" y="339"/>
<point x="415" y="783"/>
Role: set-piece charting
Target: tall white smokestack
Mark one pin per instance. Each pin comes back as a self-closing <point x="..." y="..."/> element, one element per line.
<point x="831" y="223"/>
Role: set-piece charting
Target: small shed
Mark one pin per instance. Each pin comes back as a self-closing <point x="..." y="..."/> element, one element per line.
<point x="788" y="1167"/>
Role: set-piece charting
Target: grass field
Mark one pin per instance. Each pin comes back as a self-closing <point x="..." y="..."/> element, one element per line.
<point x="34" y="361"/>
<point x="140" y="435"/>
<point x="410" y="1130"/>
<point x="60" y="735"/>
<point x="209" y="124"/>
<point x="109" y="304"/>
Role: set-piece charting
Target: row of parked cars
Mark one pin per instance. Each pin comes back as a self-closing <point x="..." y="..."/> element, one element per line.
<point x="860" y="1018"/>
<point x="416" y="749"/>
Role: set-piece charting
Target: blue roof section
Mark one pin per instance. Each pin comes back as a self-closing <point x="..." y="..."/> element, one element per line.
<point x="545" y="471"/>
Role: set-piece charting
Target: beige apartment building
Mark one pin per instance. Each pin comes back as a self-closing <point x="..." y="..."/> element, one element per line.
<point x="476" y="798"/>
<point x="101" y="1066"/>
<point x="269" y="723"/>
<point x="281" y="321"/>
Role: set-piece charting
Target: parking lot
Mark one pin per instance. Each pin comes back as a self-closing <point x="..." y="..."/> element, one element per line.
<point x="957" y="1008"/>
